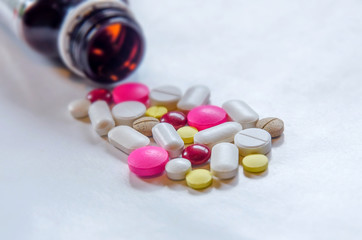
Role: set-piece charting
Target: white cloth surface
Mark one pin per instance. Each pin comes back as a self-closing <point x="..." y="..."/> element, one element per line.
<point x="298" y="60"/>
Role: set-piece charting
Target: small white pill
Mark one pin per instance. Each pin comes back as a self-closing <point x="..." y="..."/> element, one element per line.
<point x="79" y="108"/>
<point x="166" y="136"/>
<point x="224" y="161"/>
<point x="127" y="139"/>
<point x="241" y="112"/>
<point x="101" y="117"/>
<point x="253" y="140"/>
<point x="224" y="132"/>
<point x="166" y="96"/>
<point x="195" y="96"/>
<point x="125" y="113"/>
<point x="176" y="169"/>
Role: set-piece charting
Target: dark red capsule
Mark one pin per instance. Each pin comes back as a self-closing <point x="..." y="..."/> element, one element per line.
<point x="197" y="154"/>
<point x="100" y="94"/>
<point x="175" y="118"/>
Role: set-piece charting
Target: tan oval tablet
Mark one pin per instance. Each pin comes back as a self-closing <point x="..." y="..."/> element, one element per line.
<point x="144" y="125"/>
<point x="272" y="125"/>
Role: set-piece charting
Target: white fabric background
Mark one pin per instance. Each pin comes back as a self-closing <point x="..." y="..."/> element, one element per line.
<point x="298" y="60"/>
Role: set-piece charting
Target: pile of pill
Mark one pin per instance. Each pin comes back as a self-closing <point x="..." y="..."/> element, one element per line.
<point x="188" y="131"/>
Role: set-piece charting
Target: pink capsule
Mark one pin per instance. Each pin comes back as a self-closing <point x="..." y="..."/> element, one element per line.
<point x="206" y="116"/>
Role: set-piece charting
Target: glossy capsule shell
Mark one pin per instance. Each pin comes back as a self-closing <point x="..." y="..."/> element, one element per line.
<point x="127" y="139"/>
<point x="224" y="161"/>
<point x="194" y="96"/>
<point x="224" y="132"/>
<point x="166" y="136"/>
<point x="101" y="117"/>
<point x="241" y="112"/>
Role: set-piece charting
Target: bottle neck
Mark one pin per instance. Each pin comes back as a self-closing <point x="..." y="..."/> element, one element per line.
<point x="107" y="45"/>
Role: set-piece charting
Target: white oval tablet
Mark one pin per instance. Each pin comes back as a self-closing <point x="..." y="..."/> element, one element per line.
<point x="166" y="136"/>
<point x="241" y="112"/>
<point x="79" y="108"/>
<point x="195" y="96"/>
<point x="167" y="96"/>
<point x="101" y="117"/>
<point x="176" y="169"/>
<point x="253" y="140"/>
<point x="127" y="139"/>
<point x="224" y="161"/>
<point x="224" y="132"/>
<point x="125" y="113"/>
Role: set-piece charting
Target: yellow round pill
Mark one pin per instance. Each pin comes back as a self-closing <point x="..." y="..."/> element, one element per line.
<point x="156" y="111"/>
<point x="255" y="163"/>
<point x="199" y="179"/>
<point x="187" y="134"/>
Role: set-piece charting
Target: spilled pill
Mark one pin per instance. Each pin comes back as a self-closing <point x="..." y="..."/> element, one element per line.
<point x="253" y="140"/>
<point x="101" y="117"/>
<point x="224" y="162"/>
<point x="255" y="163"/>
<point x="199" y="179"/>
<point x="176" y="169"/>
<point x="127" y="139"/>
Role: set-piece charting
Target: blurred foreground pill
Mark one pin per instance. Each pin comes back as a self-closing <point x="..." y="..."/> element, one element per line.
<point x="187" y="134"/>
<point x="79" y="108"/>
<point x="177" y="168"/>
<point x="167" y="96"/>
<point x="253" y="140"/>
<point x="148" y="161"/>
<point x="127" y="139"/>
<point x="274" y="126"/>
<point x="166" y="136"/>
<point x="199" y="179"/>
<point x="224" y="162"/>
<point x="224" y="132"/>
<point x="100" y="94"/>
<point x="125" y="113"/>
<point x="241" y="112"/>
<point x="194" y="96"/>
<point x="156" y="111"/>
<point x="101" y="117"/>
<point x="255" y="163"/>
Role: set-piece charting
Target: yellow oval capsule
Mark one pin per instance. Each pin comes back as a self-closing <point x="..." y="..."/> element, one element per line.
<point x="255" y="163"/>
<point x="156" y="111"/>
<point x="187" y="133"/>
<point x="199" y="179"/>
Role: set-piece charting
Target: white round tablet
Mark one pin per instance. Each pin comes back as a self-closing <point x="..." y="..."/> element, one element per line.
<point x="166" y="96"/>
<point x="253" y="140"/>
<point x="177" y="168"/>
<point x="125" y="113"/>
<point x="79" y="108"/>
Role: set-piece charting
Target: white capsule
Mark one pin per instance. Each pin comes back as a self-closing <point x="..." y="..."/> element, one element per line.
<point x="224" y="161"/>
<point x="125" y="113"/>
<point x="195" y="96"/>
<point x="127" y="139"/>
<point x="224" y="132"/>
<point x="79" y="108"/>
<point x="177" y="168"/>
<point x="101" y="117"/>
<point x="241" y="112"/>
<point x="167" y="96"/>
<point x="166" y="136"/>
<point x="253" y="140"/>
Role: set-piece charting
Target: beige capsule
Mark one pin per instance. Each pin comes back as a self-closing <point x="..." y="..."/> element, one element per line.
<point x="144" y="125"/>
<point x="272" y="125"/>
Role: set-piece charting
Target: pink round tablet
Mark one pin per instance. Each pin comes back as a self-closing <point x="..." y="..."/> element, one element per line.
<point x="206" y="116"/>
<point x="131" y="92"/>
<point x="148" y="161"/>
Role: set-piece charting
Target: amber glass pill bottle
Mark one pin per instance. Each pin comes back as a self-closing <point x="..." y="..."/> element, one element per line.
<point x="98" y="39"/>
